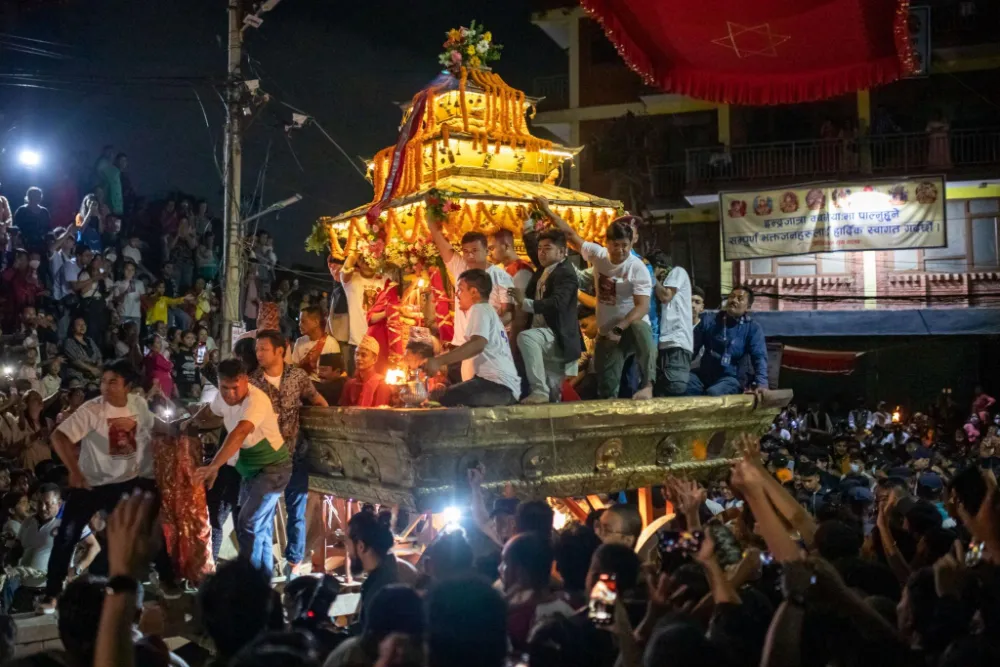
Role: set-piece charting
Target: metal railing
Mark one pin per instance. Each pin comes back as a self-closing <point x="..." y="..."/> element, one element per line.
<point x="668" y="181"/>
<point x="555" y="90"/>
<point x="819" y="159"/>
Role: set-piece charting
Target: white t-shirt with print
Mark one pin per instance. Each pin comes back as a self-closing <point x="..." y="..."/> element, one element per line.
<point x="498" y="296"/>
<point x="256" y="409"/>
<point x="676" y="329"/>
<point x="360" y="293"/>
<point x="495" y="362"/>
<point x="114" y="442"/>
<point x="616" y="285"/>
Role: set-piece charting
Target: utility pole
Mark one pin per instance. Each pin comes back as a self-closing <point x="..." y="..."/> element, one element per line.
<point x="232" y="170"/>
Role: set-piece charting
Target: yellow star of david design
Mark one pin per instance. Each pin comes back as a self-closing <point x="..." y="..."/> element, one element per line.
<point x="761" y="30"/>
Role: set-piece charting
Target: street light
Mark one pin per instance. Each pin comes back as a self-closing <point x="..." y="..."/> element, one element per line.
<point x="29" y="158"/>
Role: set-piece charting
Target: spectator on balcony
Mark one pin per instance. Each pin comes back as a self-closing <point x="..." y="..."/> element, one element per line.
<point x="848" y="136"/>
<point x="938" y="144"/>
<point x="728" y="337"/>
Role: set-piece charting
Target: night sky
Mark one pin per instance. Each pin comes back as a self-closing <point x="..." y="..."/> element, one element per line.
<point x="344" y="63"/>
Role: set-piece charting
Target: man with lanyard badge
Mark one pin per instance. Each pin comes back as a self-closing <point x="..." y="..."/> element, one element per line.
<point x="727" y="337"/>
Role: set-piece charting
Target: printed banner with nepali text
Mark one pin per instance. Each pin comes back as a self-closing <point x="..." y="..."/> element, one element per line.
<point x="868" y="215"/>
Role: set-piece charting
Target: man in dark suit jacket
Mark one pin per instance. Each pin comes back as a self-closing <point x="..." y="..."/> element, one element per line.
<point x="551" y="346"/>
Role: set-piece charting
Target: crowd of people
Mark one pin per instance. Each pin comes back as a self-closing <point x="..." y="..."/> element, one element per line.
<point x="857" y="537"/>
<point x="600" y="323"/>
<point x="863" y="538"/>
<point x="109" y="322"/>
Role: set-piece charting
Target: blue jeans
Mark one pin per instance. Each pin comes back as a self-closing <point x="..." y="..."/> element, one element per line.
<point x="259" y="497"/>
<point x="722" y="386"/>
<point x="296" y="494"/>
<point x="178" y="318"/>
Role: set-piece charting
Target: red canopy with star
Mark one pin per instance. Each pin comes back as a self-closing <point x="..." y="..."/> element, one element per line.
<point x="760" y="51"/>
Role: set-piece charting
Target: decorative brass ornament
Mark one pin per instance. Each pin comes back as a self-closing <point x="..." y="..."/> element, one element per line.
<point x="607" y="455"/>
<point x="418" y="458"/>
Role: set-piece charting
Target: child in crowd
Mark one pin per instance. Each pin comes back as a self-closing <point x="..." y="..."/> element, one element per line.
<point x="158" y="304"/>
<point x="15" y="508"/>
<point x="51" y="381"/>
<point x="159" y="369"/>
<point x="186" y="364"/>
<point x="29" y="370"/>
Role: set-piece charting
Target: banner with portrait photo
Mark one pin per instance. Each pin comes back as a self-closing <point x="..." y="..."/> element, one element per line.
<point x="862" y="215"/>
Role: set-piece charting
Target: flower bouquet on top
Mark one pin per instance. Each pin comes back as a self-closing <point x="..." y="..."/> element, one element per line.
<point x="537" y="222"/>
<point x="411" y="258"/>
<point x="470" y="47"/>
<point x="438" y="206"/>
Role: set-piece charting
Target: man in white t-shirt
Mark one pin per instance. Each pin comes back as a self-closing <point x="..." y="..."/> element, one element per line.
<point x="676" y="335"/>
<point x="495" y="380"/>
<point x="473" y="256"/>
<point x="255" y="447"/>
<point x="361" y="286"/>
<point x="314" y="343"/>
<point x="114" y="432"/>
<point x="623" y="289"/>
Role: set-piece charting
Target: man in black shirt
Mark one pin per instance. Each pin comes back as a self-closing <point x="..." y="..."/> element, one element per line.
<point x="368" y="544"/>
<point x="33" y="219"/>
<point x="331" y="377"/>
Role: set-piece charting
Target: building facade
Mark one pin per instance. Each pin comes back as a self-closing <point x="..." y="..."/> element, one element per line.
<point x="673" y="156"/>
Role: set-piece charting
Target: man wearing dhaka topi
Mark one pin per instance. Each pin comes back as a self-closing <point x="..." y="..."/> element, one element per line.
<point x="367" y="389"/>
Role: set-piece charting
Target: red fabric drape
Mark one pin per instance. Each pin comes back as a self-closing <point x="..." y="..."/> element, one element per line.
<point x="819" y="361"/>
<point x="760" y="52"/>
<point x="183" y="505"/>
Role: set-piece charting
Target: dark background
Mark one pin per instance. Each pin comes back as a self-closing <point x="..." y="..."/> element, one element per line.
<point x="346" y="64"/>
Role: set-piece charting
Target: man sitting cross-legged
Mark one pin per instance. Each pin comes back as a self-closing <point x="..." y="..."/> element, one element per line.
<point x="495" y="380"/>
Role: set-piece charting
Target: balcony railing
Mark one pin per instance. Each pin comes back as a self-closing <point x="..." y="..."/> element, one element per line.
<point x="668" y="181"/>
<point x="827" y="159"/>
<point x="555" y="90"/>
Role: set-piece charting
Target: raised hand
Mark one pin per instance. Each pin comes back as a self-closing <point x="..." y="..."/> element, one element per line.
<point x="749" y="447"/>
<point x="130" y="535"/>
<point x="950" y="572"/>
<point x="984" y="524"/>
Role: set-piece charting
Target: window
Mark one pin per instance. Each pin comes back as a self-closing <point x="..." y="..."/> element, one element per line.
<point x="829" y="263"/>
<point x="972" y="234"/>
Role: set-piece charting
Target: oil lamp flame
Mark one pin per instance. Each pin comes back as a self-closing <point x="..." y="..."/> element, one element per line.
<point x="395" y="376"/>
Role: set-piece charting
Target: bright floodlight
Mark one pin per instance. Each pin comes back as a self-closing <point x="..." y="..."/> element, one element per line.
<point x="452" y="515"/>
<point x="29" y="158"/>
